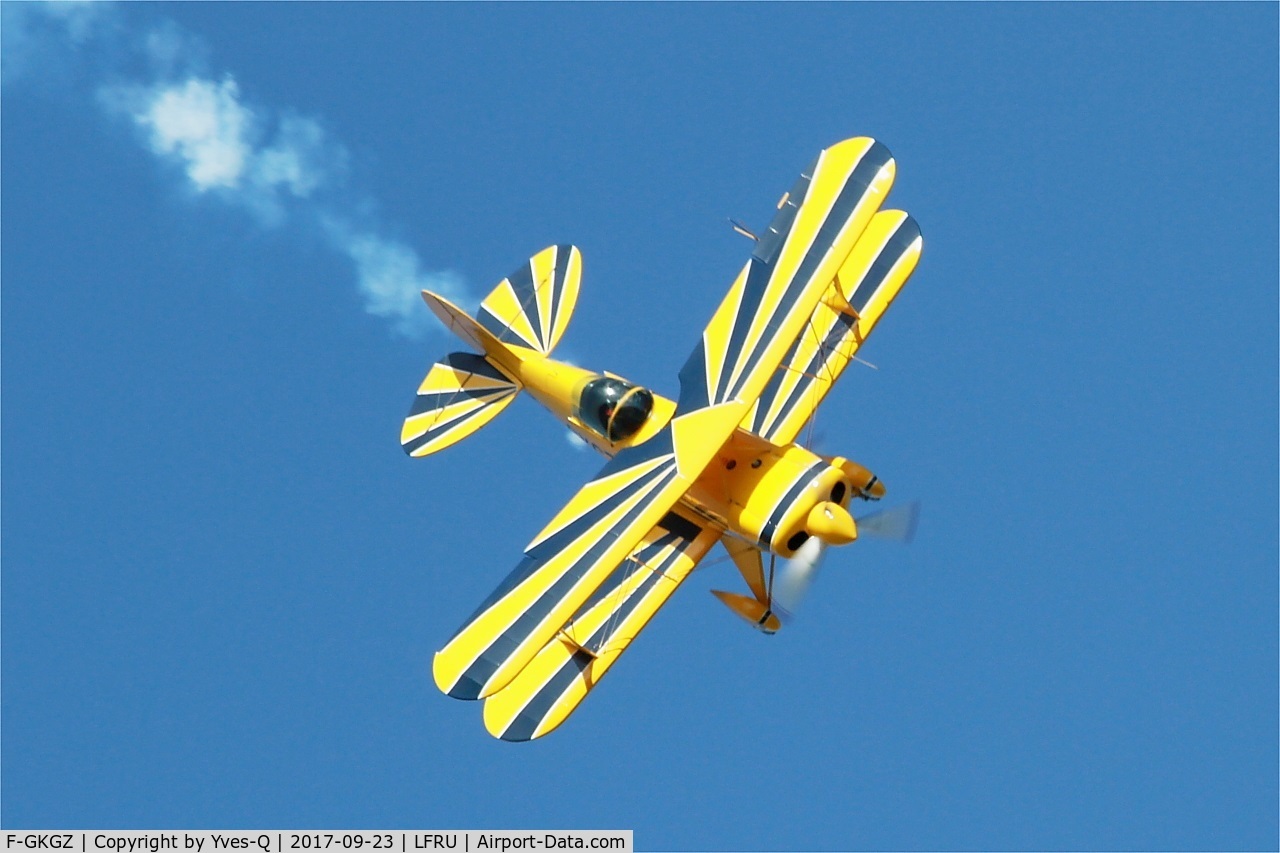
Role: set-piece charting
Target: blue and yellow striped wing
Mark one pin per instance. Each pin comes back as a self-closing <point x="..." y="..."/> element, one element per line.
<point x="871" y="277"/>
<point x="576" y="552"/>
<point x="531" y="307"/>
<point x="568" y="667"/>
<point x="766" y="309"/>
<point x="460" y="394"/>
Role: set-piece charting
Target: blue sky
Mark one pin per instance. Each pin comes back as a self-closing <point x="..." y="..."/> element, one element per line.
<point x="223" y="581"/>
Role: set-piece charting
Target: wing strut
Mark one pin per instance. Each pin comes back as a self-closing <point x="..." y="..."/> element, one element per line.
<point x="564" y="635"/>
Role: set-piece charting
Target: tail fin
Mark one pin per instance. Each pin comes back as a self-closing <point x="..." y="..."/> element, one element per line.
<point x="531" y="307"/>
<point x="461" y="393"/>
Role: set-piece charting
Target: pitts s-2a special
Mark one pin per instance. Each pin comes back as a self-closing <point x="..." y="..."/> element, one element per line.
<point x="719" y="464"/>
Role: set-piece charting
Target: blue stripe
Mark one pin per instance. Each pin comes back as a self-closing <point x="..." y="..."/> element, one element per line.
<point x="502" y="330"/>
<point x="780" y="511"/>
<point x="522" y="284"/>
<point x="657" y="446"/>
<point x="558" y="278"/>
<point x="693" y="381"/>
<point x="771" y="391"/>
<point x="558" y="541"/>
<point x="624" y="570"/>
<point x="753" y="291"/>
<point x="839" y="328"/>
<point x="472" y="363"/>
<point x="526" y="722"/>
<point x="894" y="249"/>
<point x="440" y="400"/>
<point x="769" y="243"/>
<point x="437" y="430"/>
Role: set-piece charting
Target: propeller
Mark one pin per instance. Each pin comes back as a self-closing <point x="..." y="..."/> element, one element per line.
<point x="897" y="524"/>
<point x="793" y="580"/>
<point x="798" y="574"/>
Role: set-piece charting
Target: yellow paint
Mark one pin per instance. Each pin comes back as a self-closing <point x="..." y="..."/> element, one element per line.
<point x="699" y="435"/>
<point x="750" y="562"/>
<point x="753" y="610"/>
<point x="831" y="523"/>
<point x="785" y="426"/>
<point x="553" y="383"/>
<point x="747" y="483"/>
<point x="569" y="299"/>
<point x="834" y="165"/>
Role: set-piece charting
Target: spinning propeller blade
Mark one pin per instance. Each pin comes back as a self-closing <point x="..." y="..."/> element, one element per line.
<point x="798" y="574"/>
<point x="897" y="523"/>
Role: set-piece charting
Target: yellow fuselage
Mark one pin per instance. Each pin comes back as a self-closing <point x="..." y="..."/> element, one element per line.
<point x="769" y="495"/>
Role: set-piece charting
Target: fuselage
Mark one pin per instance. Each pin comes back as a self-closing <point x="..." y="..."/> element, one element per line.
<point x="773" y="496"/>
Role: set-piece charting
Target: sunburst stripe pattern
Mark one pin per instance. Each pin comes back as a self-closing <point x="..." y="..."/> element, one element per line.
<point x="766" y="279"/>
<point x="552" y="686"/>
<point x="531" y="307"/>
<point x="460" y="394"/>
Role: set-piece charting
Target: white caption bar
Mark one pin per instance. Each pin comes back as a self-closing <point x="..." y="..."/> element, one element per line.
<point x="308" y="841"/>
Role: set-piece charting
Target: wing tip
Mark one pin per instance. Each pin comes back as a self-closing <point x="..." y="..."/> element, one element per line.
<point x="521" y="728"/>
<point x="460" y="686"/>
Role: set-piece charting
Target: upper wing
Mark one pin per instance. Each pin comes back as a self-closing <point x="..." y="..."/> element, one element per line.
<point x="793" y="264"/>
<point x="881" y="262"/>
<point x="565" y="670"/>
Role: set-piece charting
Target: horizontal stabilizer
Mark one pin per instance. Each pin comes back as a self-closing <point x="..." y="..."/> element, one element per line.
<point x="461" y="393"/>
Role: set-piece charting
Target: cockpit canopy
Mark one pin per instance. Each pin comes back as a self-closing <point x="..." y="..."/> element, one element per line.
<point x="614" y="408"/>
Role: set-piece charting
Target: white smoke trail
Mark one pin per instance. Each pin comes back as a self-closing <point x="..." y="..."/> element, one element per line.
<point x="279" y="167"/>
<point x="390" y="278"/>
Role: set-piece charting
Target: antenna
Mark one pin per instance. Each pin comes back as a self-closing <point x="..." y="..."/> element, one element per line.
<point x="742" y="229"/>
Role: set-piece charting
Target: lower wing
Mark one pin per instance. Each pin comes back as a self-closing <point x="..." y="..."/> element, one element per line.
<point x="561" y="675"/>
<point x="578" y="550"/>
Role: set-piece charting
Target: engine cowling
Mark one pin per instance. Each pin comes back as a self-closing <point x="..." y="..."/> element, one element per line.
<point x="779" y="496"/>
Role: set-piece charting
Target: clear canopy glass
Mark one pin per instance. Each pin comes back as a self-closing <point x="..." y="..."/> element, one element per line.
<point x="614" y="408"/>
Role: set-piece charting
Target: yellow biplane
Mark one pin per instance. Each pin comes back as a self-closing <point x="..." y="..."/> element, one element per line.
<point x="718" y="464"/>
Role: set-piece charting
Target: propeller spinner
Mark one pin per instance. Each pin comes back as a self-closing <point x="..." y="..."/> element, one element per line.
<point x="830" y="524"/>
<point x="798" y="574"/>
